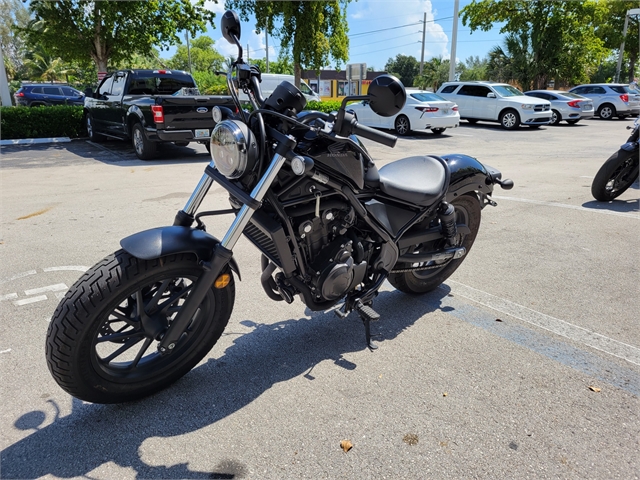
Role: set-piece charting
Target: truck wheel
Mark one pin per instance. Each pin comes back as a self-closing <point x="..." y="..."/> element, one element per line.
<point x="145" y="149"/>
<point x="91" y="132"/>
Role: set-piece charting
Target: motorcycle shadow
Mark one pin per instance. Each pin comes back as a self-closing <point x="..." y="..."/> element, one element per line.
<point x="94" y="435"/>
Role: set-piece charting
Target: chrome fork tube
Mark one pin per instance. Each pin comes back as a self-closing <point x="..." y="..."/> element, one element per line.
<point x="258" y="193"/>
<point x="198" y="194"/>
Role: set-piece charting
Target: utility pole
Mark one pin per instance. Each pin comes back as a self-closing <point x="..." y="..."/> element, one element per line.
<point x="5" y="94"/>
<point x="266" y="42"/>
<point x="424" y="31"/>
<point x="186" y="35"/>
<point x="621" y="52"/>
<point x="248" y="56"/>
<point x="454" y="41"/>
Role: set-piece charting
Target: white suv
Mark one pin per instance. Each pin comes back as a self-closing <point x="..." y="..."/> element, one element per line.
<point x="497" y="102"/>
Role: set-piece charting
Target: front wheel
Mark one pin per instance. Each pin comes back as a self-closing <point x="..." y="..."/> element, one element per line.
<point x="468" y="212"/>
<point x="616" y="175"/>
<point x="102" y="340"/>
<point x="509" y="119"/>
<point x="556" y="117"/>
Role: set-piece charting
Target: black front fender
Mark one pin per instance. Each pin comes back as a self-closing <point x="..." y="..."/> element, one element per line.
<point x="467" y="175"/>
<point x="161" y="241"/>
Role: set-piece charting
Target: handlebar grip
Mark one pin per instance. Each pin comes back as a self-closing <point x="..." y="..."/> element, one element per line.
<point x="375" y="135"/>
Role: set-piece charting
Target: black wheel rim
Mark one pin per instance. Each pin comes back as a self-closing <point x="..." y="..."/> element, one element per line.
<point x="462" y="216"/>
<point x="622" y="177"/>
<point x="124" y="346"/>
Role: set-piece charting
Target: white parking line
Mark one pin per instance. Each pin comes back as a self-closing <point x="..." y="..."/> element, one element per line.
<point x="560" y="327"/>
<point x="75" y="268"/>
<point x="49" y="288"/>
<point x="17" y="276"/>
<point x="26" y="301"/>
<point x="9" y="296"/>
<point x="572" y="207"/>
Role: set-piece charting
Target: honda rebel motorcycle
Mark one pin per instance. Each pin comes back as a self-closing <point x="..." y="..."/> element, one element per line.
<point x="619" y="171"/>
<point x="331" y="228"/>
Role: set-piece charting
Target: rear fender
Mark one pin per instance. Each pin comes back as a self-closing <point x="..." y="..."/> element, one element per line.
<point x="162" y="241"/>
<point x="467" y="175"/>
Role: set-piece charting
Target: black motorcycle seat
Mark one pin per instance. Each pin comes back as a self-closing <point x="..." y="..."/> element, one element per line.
<point x="420" y="180"/>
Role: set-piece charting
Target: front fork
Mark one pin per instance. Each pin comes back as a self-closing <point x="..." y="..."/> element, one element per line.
<point x="222" y="252"/>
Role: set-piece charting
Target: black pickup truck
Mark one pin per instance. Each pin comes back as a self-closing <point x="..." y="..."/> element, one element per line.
<point x="151" y="107"/>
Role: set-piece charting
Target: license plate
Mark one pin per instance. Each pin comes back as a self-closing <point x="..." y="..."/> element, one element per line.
<point x="202" y="133"/>
<point x="445" y="110"/>
<point x="587" y="106"/>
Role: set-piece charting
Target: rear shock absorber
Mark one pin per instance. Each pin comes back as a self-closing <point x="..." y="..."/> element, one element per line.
<point x="447" y="216"/>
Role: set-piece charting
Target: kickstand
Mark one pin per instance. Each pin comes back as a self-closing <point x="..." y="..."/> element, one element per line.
<point x="367" y="333"/>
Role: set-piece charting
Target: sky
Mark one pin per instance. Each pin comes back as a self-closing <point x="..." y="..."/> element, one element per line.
<point x="379" y="30"/>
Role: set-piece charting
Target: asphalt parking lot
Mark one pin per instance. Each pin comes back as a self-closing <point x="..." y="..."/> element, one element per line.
<point x="524" y="364"/>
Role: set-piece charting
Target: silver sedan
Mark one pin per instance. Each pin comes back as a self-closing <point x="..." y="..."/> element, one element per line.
<point x="565" y="105"/>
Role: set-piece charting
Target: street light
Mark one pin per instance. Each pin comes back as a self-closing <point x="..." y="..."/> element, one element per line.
<point x="633" y="11"/>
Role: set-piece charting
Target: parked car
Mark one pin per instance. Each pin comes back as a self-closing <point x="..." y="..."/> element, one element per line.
<point x="47" y="94"/>
<point x="423" y="110"/>
<point x="610" y="99"/>
<point x="566" y="106"/>
<point x="150" y="107"/>
<point x="496" y="102"/>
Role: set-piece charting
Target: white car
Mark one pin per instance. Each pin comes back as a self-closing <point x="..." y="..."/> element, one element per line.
<point x="497" y="102"/>
<point x="422" y="110"/>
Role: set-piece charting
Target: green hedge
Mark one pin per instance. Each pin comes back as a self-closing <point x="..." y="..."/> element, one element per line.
<point x="41" y="122"/>
<point x="66" y="121"/>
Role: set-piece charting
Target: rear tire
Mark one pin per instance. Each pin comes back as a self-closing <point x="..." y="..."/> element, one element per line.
<point x="616" y="175"/>
<point x="102" y="341"/>
<point x="145" y="149"/>
<point x="402" y="125"/>
<point x="468" y="212"/>
<point x="606" y="111"/>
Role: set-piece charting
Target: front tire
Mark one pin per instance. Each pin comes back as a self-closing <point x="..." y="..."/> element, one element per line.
<point x="402" y="125"/>
<point x="102" y="340"/>
<point x="509" y="119"/>
<point x="556" y="117"/>
<point x="616" y="175"/>
<point x="468" y="212"/>
<point x="145" y="149"/>
<point x="91" y="130"/>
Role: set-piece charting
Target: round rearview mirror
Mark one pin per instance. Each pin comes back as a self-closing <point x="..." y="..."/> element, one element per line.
<point x="386" y="95"/>
<point x="230" y="26"/>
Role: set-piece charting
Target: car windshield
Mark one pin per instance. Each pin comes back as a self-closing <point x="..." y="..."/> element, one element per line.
<point x="304" y="88"/>
<point x="427" y="97"/>
<point x="507" y="90"/>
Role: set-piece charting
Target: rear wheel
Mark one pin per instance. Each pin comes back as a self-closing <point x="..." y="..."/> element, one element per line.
<point x="102" y="341"/>
<point x="402" y="125"/>
<point x="438" y="131"/>
<point x="145" y="149"/>
<point x="616" y="175"/>
<point x="606" y="111"/>
<point x="421" y="281"/>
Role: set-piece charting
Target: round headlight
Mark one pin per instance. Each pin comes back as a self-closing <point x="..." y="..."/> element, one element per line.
<point x="233" y="148"/>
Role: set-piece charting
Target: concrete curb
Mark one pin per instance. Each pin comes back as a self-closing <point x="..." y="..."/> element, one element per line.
<point x="34" y="141"/>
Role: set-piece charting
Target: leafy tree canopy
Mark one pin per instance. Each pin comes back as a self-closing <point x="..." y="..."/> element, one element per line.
<point x="204" y="57"/>
<point x="13" y="15"/>
<point x="313" y="31"/>
<point x="112" y="31"/>
<point x="405" y="67"/>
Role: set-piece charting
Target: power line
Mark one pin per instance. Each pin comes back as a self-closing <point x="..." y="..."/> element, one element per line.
<point x="396" y="27"/>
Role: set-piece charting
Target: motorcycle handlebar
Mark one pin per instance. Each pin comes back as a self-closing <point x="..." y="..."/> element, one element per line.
<point x="373" y="134"/>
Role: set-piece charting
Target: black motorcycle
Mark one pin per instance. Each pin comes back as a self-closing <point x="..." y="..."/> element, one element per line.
<point x="331" y="228"/>
<point x="619" y="171"/>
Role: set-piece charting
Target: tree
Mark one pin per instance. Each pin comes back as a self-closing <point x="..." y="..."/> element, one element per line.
<point x="313" y="31"/>
<point x="558" y="37"/>
<point x="13" y="15"/>
<point x="405" y="67"/>
<point x="282" y="65"/>
<point x="110" y="31"/>
<point x="473" y="68"/>
<point x="42" y="65"/>
<point x="204" y="57"/>
<point x="610" y="31"/>
<point x="435" y="73"/>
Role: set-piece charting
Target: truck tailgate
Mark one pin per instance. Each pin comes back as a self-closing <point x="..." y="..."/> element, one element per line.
<point x="190" y="113"/>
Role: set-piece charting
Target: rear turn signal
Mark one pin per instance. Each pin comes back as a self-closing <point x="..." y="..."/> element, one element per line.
<point x="158" y="113"/>
<point x="574" y="103"/>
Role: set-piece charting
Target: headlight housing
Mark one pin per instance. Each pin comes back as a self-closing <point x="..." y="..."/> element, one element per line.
<point x="233" y="148"/>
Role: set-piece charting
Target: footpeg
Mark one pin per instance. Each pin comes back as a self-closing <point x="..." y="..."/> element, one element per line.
<point x="368" y="315"/>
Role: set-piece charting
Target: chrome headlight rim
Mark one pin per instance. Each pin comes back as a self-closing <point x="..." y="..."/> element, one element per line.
<point x="233" y="148"/>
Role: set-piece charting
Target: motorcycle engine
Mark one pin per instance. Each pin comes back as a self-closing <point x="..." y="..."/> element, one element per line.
<point x="329" y="249"/>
